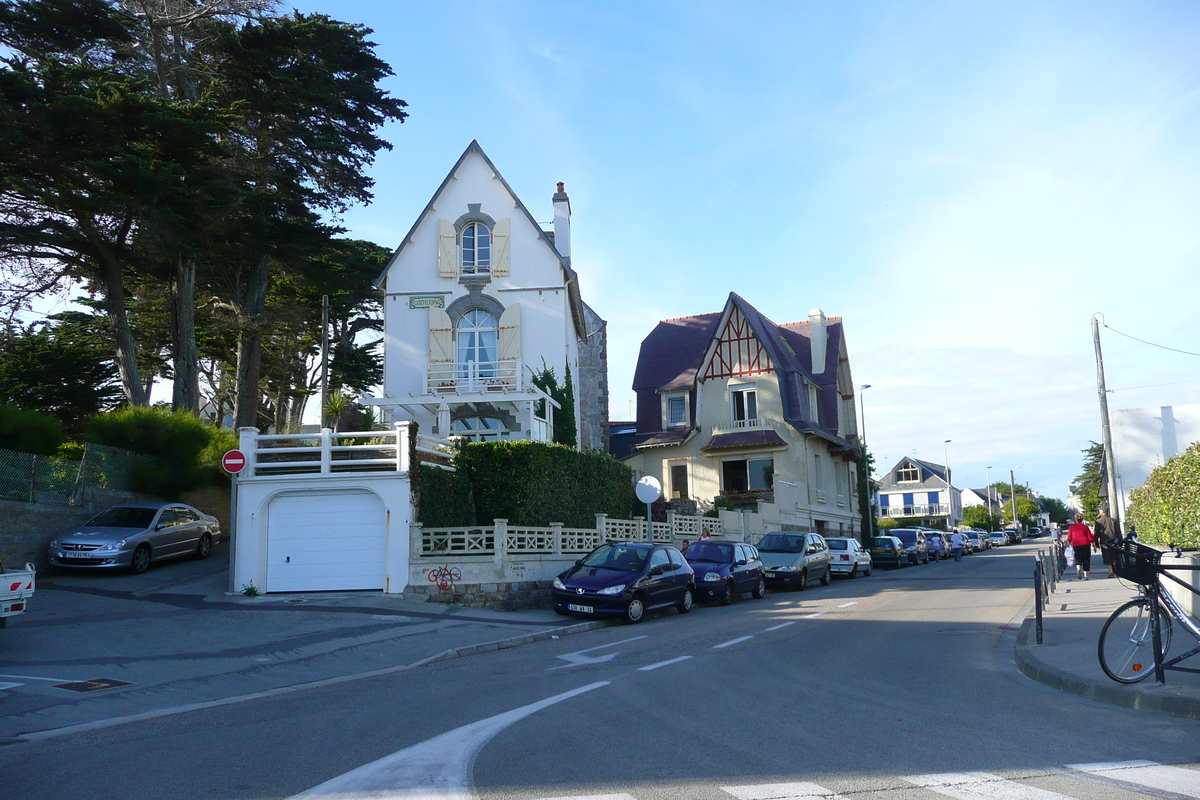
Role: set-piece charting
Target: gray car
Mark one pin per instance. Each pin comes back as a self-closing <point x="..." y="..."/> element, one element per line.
<point x="133" y="535"/>
<point x="793" y="559"/>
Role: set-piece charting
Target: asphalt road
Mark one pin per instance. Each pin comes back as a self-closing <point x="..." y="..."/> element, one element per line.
<point x="900" y="685"/>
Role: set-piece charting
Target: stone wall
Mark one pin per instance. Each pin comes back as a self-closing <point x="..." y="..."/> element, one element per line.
<point x="510" y="596"/>
<point x="214" y="501"/>
<point x="591" y="384"/>
<point x="27" y="528"/>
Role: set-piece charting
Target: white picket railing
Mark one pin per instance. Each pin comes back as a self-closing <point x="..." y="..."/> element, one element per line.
<point x="474" y="377"/>
<point x="325" y="452"/>
<point x="933" y="510"/>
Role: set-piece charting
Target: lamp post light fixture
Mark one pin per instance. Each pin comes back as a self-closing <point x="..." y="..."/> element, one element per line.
<point x="949" y="488"/>
<point x="870" y="504"/>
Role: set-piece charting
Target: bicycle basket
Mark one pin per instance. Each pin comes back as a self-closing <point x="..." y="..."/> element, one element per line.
<point x="1135" y="561"/>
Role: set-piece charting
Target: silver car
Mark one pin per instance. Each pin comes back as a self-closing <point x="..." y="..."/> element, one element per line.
<point x="133" y="535"/>
<point x="794" y="559"/>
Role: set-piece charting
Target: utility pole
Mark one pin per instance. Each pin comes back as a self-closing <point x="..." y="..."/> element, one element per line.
<point x="1110" y="462"/>
<point x="1012" y="486"/>
<point x="989" y="498"/>
<point x="324" y="356"/>
<point x="870" y="496"/>
<point x="949" y="488"/>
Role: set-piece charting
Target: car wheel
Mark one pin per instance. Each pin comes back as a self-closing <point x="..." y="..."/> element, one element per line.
<point x="141" y="559"/>
<point x="853" y="572"/>
<point x="204" y="546"/>
<point x="685" y="603"/>
<point x="634" y="611"/>
<point x="760" y="591"/>
<point x="827" y="578"/>
<point x="867" y="572"/>
<point x="727" y="595"/>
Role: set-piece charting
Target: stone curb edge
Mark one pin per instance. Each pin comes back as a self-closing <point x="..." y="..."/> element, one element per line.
<point x="515" y="641"/>
<point x="1114" y="694"/>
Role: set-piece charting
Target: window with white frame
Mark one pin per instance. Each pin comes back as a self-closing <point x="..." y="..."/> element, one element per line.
<point x="479" y="429"/>
<point x="678" y="473"/>
<point x="476" y="249"/>
<point x="676" y="407"/>
<point x="743" y="401"/>
<point x="908" y="474"/>
<point x="476" y="335"/>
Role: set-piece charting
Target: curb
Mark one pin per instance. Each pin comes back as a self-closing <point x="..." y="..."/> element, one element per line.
<point x="1135" y="697"/>
<point x="516" y="641"/>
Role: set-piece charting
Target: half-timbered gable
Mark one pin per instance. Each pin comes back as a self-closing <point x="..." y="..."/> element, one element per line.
<point x="737" y="351"/>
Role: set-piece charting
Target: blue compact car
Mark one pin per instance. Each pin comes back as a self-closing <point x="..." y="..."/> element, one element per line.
<point x="724" y="569"/>
<point x="625" y="579"/>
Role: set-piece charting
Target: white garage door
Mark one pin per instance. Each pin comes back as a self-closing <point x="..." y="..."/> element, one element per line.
<point x="326" y="541"/>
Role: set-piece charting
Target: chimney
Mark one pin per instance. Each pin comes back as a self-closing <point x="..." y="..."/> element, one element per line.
<point x="819" y="337"/>
<point x="562" y="222"/>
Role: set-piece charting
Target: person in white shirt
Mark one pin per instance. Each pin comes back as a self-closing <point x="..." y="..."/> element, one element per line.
<point x="958" y="541"/>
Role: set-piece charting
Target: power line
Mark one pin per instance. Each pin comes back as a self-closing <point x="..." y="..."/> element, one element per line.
<point x="1152" y="344"/>
<point x="1153" y="385"/>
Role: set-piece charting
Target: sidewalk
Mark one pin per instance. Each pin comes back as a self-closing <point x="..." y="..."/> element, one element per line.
<point x="1067" y="659"/>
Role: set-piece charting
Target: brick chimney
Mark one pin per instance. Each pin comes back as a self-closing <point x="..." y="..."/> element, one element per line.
<point x="819" y="337"/>
<point x="562" y="222"/>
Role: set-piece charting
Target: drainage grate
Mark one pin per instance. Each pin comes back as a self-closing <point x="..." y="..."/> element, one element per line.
<point x="93" y="685"/>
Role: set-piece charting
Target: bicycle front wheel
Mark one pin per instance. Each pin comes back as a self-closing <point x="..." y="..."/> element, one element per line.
<point x="1126" y="647"/>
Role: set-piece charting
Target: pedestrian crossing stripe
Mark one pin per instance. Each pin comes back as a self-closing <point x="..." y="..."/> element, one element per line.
<point x="1177" y="780"/>
<point x="1133" y="775"/>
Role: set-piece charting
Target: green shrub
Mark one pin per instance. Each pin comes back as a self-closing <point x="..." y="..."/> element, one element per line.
<point x="444" y="498"/>
<point x="887" y="523"/>
<point x="185" y="450"/>
<point x="29" y="431"/>
<point x="1166" y="508"/>
<point x="533" y="483"/>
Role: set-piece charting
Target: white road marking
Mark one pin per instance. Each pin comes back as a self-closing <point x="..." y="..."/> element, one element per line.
<point x="780" y="625"/>
<point x="34" y="678"/>
<point x="981" y="786"/>
<point x="731" y="642"/>
<point x="5" y="686"/>
<point x="669" y="661"/>
<point x="621" y="796"/>
<point x="847" y="605"/>
<point x="437" y="768"/>
<point x="578" y="658"/>
<point x="815" y="614"/>
<point x="780" y="791"/>
<point x="1177" y="780"/>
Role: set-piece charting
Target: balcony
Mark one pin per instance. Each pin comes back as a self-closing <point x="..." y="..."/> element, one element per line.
<point x="934" y="510"/>
<point x="474" y="377"/>
<point x="756" y="424"/>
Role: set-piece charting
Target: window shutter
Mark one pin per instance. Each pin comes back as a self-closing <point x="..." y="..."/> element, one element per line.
<point x="441" y="336"/>
<point x="500" y="248"/>
<point x="510" y="344"/>
<point x="447" y="250"/>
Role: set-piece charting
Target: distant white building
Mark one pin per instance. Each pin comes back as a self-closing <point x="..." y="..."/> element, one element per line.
<point x="1145" y="438"/>
<point x="920" y="490"/>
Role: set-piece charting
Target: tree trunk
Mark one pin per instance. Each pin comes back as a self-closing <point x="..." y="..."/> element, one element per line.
<point x="186" y="396"/>
<point x="126" y="348"/>
<point x="249" y="354"/>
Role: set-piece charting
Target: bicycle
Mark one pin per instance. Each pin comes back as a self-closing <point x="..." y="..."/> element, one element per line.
<point x="1137" y="636"/>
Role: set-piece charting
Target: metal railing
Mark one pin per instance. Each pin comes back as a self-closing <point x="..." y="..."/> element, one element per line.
<point x="1048" y="569"/>
<point x="929" y="510"/>
<point x="29" y="478"/>
<point x="474" y="377"/>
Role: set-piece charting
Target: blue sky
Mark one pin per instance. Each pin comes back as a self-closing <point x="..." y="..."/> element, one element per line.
<point x="963" y="183"/>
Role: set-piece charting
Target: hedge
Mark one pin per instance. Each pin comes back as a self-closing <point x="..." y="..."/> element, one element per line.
<point x="526" y="483"/>
<point x="29" y="431"/>
<point x="1166" y="508"/>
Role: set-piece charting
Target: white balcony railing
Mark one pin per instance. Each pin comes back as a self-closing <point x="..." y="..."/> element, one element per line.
<point x="931" y="510"/>
<point x="326" y="452"/>
<point x="758" y="423"/>
<point x="474" y="377"/>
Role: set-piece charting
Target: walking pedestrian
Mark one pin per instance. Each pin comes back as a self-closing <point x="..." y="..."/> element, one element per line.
<point x="1107" y="531"/>
<point x="958" y="540"/>
<point x="1081" y="540"/>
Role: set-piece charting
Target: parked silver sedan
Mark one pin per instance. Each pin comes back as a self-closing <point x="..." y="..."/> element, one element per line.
<point x="134" y="535"/>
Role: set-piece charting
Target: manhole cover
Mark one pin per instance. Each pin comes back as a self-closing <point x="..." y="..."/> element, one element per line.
<point x="962" y="631"/>
<point x="93" y="685"/>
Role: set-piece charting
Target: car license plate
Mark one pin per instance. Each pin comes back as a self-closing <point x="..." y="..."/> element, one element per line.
<point x="770" y="574"/>
<point x="576" y="607"/>
<point x="79" y="554"/>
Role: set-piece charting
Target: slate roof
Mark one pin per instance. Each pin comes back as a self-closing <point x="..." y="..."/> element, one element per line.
<point x="673" y="353"/>
<point x="663" y="438"/>
<point x="933" y="476"/>
<point x="759" y="438"/>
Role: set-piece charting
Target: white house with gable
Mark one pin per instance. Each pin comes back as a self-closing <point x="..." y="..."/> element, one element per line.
<point x="478" y="298"/>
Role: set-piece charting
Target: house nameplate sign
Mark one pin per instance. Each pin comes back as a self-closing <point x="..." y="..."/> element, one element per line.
<point x="427" y="301"/>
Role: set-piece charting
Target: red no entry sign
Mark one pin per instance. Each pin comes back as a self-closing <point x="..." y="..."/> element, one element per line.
<point x="234" y="461"/>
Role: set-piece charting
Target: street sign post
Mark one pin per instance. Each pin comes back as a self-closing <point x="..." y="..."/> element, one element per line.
<point x="648" y="490"/>
<point x="234" y="461"/>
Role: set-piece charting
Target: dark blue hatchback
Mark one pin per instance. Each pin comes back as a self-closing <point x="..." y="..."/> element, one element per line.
<point x="724" y="569"/>
<point x="625" y="579"/>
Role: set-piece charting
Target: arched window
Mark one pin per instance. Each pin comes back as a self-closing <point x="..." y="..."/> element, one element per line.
<point x="476" y="339"/>
<point x="476" y="249"/>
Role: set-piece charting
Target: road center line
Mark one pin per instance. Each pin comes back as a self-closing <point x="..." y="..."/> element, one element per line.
<point x="847" y="605"/>
<point x="675" y="660"/>
<point x="815" y="614"/>
<point x="731" y="642"/>
<point x="780" y="625"/>
<point x="33" y="678"/>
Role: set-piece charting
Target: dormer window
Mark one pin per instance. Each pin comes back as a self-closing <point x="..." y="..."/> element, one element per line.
<point x="908" y="474"/>
<point x="814" y="405"/>
<point x="676" y="408"/>
<point x="476" y="249"/>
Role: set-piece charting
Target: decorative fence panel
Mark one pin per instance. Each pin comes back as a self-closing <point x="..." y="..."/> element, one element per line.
<point x="531" y="540"/>
<point x="468" y="541"/>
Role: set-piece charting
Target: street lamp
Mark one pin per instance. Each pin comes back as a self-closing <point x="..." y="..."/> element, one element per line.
<point x="989" y="498"/>
<point x="1012" y="485"/>
<point x="949" y="488"/>
<point x="863" y="412"/>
